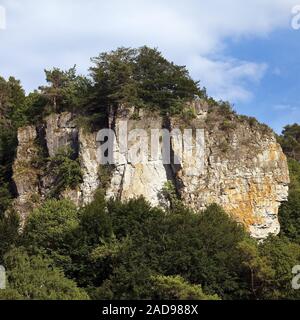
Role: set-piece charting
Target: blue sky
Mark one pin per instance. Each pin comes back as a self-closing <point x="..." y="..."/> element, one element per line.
<point x="244" y="51"/>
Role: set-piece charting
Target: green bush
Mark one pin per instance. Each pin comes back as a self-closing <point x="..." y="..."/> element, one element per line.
<point x="49" y="230"/>
<point x="176" y="288"/>
<point x="228" y="125"/>
<point x="289" y="212"/>
<point x="67" y="172"/>
<point x="290" y="141"/>
<point x="34" y="278"/>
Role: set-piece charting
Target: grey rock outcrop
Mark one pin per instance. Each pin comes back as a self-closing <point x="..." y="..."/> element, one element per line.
<point x="244" y="169"/>
<point x="61" y="132"/>
<point x="89" y="165"/>
<point x="26" y="176"/>
<point x="131" y="180"/>
<point x="245" y="172"/>
<point x="32" y="184"/>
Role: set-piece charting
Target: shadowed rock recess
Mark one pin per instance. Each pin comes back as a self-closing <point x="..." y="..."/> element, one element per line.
<point x="245" y="170"/>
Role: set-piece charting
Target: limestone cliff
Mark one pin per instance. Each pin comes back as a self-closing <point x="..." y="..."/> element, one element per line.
<point x="34" y="184"/>
<point x="26" y="177"/>
<point x="244" y="169"/>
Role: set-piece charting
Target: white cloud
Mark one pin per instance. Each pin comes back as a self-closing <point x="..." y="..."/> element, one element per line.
<point x="2" y="18"/>
<point x="53" y="32"/>
<point x="228" y="79"/>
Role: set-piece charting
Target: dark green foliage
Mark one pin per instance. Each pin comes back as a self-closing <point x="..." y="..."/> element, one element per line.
<point x="12" y="102"/>
<point x="8" y="144"/>
<point x="9" y="232"/>
<point x="94" y="230"/>
<point x="49" y="230"/>
<point x="130" y="250"/>
<point x="12" y="98"/>
<point x="113" y="77"/>
<point x="35" y="107"/>
<point x="142" y="78"/>
<point x="163" y="84"/>
<point x="66" y="170"/>
<point x="5" y="196"/>
<point x="289" y="213"/>
<point x="35" y="278"/>
<point x="176" y="288"/>
<point x="49" y="225"/>
<point x="290" y="141"/>
<point x="201" y="248"/>
<point x="66" y="90"/>
<point x="281" y="255"/>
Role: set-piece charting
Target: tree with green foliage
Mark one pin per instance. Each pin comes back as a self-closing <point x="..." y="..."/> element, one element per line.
<point x="162" y="84"/>
<point x="258" y="268"/>
<point x="94" y="230"/>
<point x="12" y="101"/>
<point x="130" y="250"/>
<point x="290" y="141"/>
<point x="66" y="169"/>
<point x="66" y="90"/>
<point x="49" y="230"/>
<point x="35" y="105"/>
<point x="282" y="255"/>
<point x="12" y="97"/>
<point x="142" y="78"/>
<point x="289" y="212"/>
<point x="202" y="248"/>
<point x="9" y="232"/>
<point x="176" y="288"/>
<point x="113" y="76"/>
<point x="35" y="278"/>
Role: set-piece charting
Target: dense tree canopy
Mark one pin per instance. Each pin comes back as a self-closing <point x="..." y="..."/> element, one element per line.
<point x="35" y="278"/>
<point x="290" y="141"/>
<point x="142" y="78"/>
<point x="115" y="250"/>
<point x="289" y="213"/>
<point x="65" y="91"/>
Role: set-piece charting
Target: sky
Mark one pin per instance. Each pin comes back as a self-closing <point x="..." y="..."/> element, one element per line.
<point x="243" y="51"/>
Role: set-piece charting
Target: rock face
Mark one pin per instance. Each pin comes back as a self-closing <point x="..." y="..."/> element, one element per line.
<point x="32" y="183"/>
<point x="146" y="178"/>
<point x="26" y="177"/>
<point x="89" y="166"/>
<point x="246" y="173"/>
<point x="241" y="167"/>
<point x="61" y="132"/>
